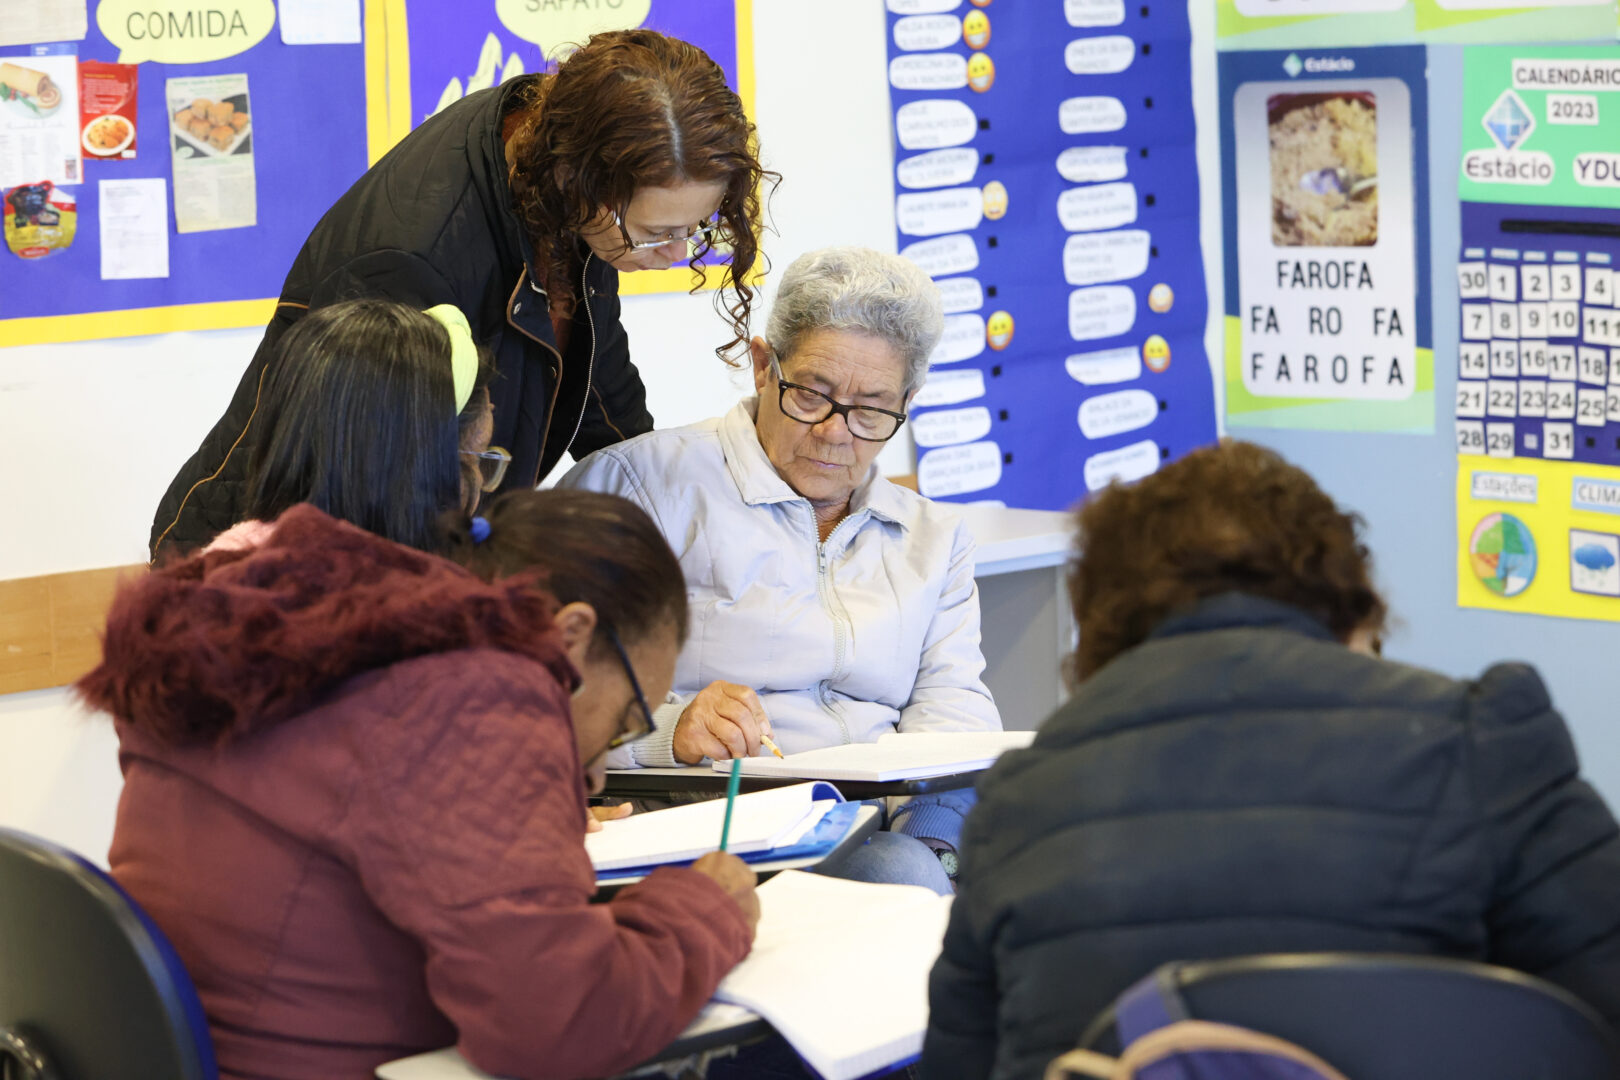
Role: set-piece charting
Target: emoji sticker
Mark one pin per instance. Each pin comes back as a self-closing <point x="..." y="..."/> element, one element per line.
<point x="976" y="29"/>
<point x="995" y="200"/>
<point x="981" y="72"/>
<point x="1156" y="353"/>
<point x="1160" y="298"/>
<point x="999" y="330"/>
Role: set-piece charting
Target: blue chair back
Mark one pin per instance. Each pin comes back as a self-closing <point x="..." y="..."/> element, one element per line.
<point x="1395" y="1017"/>
<point x="88" y="983"/>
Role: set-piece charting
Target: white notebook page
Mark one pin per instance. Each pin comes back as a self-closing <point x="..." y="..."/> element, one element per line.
<point x="840" y="968"/>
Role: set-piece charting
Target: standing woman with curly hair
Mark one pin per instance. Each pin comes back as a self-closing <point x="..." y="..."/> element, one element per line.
<point x="521" y="205"/>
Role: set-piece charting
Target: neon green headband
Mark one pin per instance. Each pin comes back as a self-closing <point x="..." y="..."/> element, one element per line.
<point x="463" y="353"/>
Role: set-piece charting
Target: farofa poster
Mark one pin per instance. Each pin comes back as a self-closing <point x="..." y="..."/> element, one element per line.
<point x="1327" y="278"/>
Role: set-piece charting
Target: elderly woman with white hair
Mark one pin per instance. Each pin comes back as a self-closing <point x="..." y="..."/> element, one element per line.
<point x="828" y="605"/>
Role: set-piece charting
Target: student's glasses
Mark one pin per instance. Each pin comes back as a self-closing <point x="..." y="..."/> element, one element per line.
<point x="809" y="406"/>
<point x="640" y="727"/>
<point x="492" y="465"/>
<point x="704" y="232"/>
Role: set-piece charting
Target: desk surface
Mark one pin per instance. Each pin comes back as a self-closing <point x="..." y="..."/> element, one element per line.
<point x="1012" y="540"/>
<point x="641" y="783"/>
<point x="718" y="1025"/>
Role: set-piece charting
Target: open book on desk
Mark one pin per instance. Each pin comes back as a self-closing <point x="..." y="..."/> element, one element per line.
<point x="840" y="969"/>
<point x="896" y="756"/>
<point x="800" y="820"/>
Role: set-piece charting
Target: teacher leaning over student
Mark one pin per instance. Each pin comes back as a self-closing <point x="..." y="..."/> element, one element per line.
<point x="521" y="205"/>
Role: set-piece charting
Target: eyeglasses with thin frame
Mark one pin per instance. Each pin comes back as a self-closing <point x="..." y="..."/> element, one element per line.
<point x="810" y="406"/>
<point x="704" y="232"/>
<point x="645" y="727"/>
<point x="492" y="465"/>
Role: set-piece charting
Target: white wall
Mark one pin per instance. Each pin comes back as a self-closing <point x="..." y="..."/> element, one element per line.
<point x="90" y="434"/>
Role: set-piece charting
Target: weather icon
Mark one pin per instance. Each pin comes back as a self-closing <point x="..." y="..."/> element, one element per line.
<point x="1595" y="557"/>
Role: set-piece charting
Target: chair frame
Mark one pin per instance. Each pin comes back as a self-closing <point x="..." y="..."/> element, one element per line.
<point x="1183" y="973"/>
<point x="182" y="1012"/>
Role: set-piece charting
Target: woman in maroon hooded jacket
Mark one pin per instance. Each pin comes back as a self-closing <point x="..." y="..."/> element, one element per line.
<point x="355" y="784"/>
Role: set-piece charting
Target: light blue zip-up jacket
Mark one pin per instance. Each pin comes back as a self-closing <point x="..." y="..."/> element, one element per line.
<point x="874" y="630"/>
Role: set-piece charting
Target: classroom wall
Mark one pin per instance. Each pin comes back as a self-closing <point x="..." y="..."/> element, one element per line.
<point x="91" y="433"/>
<point x="1403" y="486"/>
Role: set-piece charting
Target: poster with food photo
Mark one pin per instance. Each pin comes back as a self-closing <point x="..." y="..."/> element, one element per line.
<point x="39" y="120"/>
<point x="211" y="141"/>
<point x="1324" y="169"/>
<point x="1323" y="157"/>
<point x="107" y="100"/>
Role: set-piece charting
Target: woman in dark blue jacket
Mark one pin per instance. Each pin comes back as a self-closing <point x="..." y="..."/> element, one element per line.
<point x="1238" y="772"/>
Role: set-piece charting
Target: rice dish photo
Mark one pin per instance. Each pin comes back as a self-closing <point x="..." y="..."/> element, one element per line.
<point x="1324" y="170"/>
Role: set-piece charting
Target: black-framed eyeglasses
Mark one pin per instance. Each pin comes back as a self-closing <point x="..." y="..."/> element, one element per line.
<point x="704" y="232"/>
<point x="809" y="406"/>
<point x="643" y="727"/>
<point x="492" y="465"/>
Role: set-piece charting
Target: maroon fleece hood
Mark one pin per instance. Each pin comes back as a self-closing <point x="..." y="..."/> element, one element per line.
<point x="226" y="643"/>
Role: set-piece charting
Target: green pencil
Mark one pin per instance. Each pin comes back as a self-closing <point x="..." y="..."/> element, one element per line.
<point x="731" y="799"/>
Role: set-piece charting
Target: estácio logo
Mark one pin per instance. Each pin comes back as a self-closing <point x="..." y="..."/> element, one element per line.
<point x="1509" y="123"/>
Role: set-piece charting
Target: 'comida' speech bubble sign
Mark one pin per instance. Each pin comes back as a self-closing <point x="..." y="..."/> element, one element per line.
<point x="559" y="26"/>
<point x="184" y="31"/>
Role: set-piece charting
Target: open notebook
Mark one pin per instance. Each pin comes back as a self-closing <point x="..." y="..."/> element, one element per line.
<point x="840" y="968"/>
<point x="896" y="756"/>
<point x="765" y="824"/>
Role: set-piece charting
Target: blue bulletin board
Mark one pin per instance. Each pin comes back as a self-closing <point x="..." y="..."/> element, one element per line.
<point x="321" y="114"/>
<point x="318" y="119"/>
<point x="1046" y="178"/>
<point x="451" y="48"/>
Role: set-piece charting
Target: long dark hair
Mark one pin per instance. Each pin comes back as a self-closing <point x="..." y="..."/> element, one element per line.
<point x="635" y="109"/>
<point x="585" y="546"/>
<point x="357" y="416"/>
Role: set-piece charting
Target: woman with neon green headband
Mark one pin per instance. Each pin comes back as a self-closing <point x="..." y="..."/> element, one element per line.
<point x="378" y="414"/>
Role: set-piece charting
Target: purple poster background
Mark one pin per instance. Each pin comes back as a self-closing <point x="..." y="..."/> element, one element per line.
<point x="446" y="37"/>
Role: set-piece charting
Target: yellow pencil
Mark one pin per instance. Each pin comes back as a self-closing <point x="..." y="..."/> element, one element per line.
<point x="770" y="744"/>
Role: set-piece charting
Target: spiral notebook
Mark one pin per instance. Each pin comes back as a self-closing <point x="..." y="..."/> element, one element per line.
<point x="896" y="756"/>
<point x="819" y="938"/>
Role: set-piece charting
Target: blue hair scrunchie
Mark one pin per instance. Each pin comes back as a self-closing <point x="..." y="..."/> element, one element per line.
<point x="479" y="530"/>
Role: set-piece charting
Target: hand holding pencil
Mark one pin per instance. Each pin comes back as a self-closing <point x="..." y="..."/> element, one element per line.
<point x="728" y="871"/>
<point x="724" y="721"/>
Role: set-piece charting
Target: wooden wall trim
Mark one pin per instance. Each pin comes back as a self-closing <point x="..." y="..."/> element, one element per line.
<point x="50" y="627"/>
